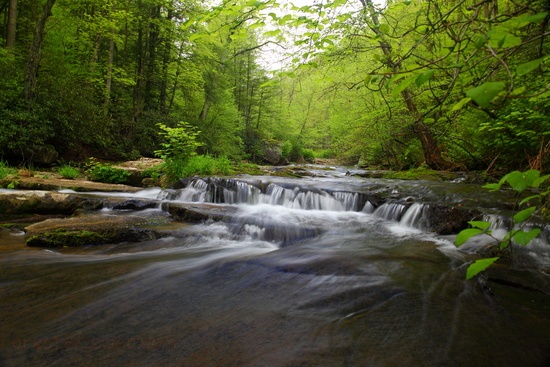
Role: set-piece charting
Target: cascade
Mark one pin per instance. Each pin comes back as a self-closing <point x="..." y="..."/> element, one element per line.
<point x="230" y="191"/>
<point x="413" y="216"/>
<point x="390" y="211"/>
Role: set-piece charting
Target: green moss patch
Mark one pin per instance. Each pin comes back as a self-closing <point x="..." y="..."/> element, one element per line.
<point x="62" y="238"/>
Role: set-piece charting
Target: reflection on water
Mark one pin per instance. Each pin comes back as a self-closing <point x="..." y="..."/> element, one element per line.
<point x="272" y="286"/>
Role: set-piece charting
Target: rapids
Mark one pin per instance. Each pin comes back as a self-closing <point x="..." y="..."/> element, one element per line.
<point x="304" y="272"/>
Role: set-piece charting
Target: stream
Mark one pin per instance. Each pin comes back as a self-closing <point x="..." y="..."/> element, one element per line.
<point x="304" y="272"/>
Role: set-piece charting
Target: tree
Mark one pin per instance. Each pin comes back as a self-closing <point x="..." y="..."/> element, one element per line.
<point x="33" y="60"/>
<point x="12" y="24"/>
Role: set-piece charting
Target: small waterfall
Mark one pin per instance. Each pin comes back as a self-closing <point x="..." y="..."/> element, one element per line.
<point x="497" y="221"/>
<point x="390" y="211"/>
<point x="413" y="216"/>
<point x="242" y="193"/>
<point x="278" y="195"/>
<point x="230" y="191"/>
<point x="349" y="200"/>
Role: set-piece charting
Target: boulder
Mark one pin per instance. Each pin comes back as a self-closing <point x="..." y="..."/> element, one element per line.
<point x="449" y="219"/>
<point x="272" y="154"/>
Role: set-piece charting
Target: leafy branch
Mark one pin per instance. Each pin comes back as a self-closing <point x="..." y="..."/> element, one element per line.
<point x="519" y="182"/>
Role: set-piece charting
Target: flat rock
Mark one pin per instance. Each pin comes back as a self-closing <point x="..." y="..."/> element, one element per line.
<point x="89" y="230"/>
<point x="40" y="183"/>
<point x="44" y="202"/>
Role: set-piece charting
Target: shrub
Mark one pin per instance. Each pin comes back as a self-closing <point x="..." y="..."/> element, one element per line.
<point x="180" y="143"/>
<point x="5" y="170"/>
<point x="326" y="154"/>
<point x="207" y="165"/>
<point x="69" y="172"/>
<point x="154" y="172"/>
<point x="204" y="165"/>
<point x="308" y="155"/>
<point x="286" y="149"/>
<point x="108" y="174"/>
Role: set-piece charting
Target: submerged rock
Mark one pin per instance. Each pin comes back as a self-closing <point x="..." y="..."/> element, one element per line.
<point x="198" y="212"/>
<point x="89" y="230"/>
<point x="449" y="219"/>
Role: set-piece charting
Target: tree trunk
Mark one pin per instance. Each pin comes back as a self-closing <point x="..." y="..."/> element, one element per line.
<point x="151" y="73"/>
<point x="109" y="78"/>
<point x="430" y="148"/>
<point x="166" y="57"/>
<point x="12" y="24"/>
<point x="33" y="62"/>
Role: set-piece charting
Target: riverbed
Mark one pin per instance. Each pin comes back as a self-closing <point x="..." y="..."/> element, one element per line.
<point x="305" y="272"/>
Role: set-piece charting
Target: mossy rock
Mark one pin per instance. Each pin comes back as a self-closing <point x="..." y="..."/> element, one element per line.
<point x="90" y="230"/>
<point x="66" y="239"/>
<point x="44" y="202"/>
<point x="421" y="174"/>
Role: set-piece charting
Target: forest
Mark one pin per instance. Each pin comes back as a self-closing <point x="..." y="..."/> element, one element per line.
<point x="449" y="85"/>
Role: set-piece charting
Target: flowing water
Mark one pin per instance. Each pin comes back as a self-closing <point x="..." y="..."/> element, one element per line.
<point x="307" y="272"/>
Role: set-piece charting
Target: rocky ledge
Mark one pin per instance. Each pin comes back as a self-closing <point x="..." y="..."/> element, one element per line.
<point x="89" y="230"/>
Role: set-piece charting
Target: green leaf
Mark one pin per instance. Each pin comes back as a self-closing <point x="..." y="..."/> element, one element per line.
<point x="523" y="238"/>
<point x="423" y="78"/>
<point x="485" y="93"/>
<point x="505" y="242"/>
<point x="465" y="235"/>
<point x="501" y="38"/>
<point x="540" y="180"/>
<point x="536" y="18"/>
<point x="478" y="266"/>
<point x="523" y="215"/>
<point x="384" y="28"/>
<point x="461" y="104"/>
<point x="402" y="86"/>
<point x="529" y="198"/>
<point x="479" y="41"/>
<point x="518" y="91"/>
<point x="516" y="180"/>
<point x="492" y="186"/>
<point x="522" y="180"/>
<point x="528" y="67"/>
<point x="398" y="76"/>
<point x="480" y="224"/>
<point x="272" y="33"/>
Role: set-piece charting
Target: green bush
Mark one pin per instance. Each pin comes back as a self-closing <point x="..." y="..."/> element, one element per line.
<point x="326" y="154"/>
<point x="203" y="165"/>
<point x="180" y="143"/>
<point x="286" y="149"/>
<point x="108" y="174"/>
<point x="207" y="165"/>
<point x="154" y="172"/>
<point x="5" y="170"/>
<point x="69" y="172"/>
<point x="308" y="155"/>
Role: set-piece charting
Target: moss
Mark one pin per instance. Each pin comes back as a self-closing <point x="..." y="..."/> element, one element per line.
<point x="247" y="168"/>
<point x="420" y="174"/>
<point x="64" y="238"/>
